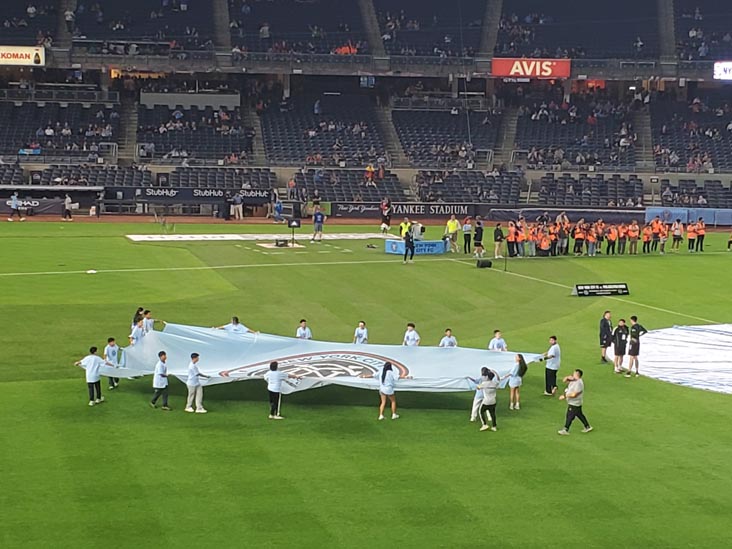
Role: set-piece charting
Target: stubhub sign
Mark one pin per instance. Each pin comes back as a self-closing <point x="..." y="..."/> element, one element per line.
<point x="723" y="70"/>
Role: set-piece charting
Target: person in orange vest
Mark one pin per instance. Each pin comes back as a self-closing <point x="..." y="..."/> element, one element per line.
<point x="545" y="244"/>
<point x="647" y="235"/>
<point x="691" y="236"/>
<point x="579" y="237"/>
<point x="533" y="237"/>
<point x="511" y="239"/>
<point x="663" y="237"/>
<point x="563" y="239"/>
<point x="612" y="237"/>
<point x="633" y="234"/>
<point x="701" y="230"/>
<point x="655" y="233"/>
<point x="677" y="233"/>
<point x="552" y="233"/>
<point x="592" y="241"/>
<point x="600" y="233"/>
<point x="622" y="238"/>
<point x="521" y="238"/>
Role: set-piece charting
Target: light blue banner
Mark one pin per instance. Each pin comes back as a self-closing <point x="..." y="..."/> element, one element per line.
<point x="421" y="247"/>
<point x="711" y="216"/>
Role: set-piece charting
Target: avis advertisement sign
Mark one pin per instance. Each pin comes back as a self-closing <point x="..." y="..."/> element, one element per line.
<point x="34" y="56"/>
<point x="531" y="68"/>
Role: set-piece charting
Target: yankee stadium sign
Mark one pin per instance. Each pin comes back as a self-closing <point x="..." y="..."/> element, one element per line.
<point x="409" y="209"/>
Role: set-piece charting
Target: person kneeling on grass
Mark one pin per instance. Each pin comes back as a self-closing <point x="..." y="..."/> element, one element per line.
<point x="274" y="379"/>
<point x="574" y="394"/>
<point x="387" y="380"/>
<point x="92" y="363"/>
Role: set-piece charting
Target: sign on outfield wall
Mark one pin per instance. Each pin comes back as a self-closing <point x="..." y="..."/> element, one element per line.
<point x="531" y="68"/>
<point x="34" y="56"/>
<point x="401" y="209"/>
<point x="185" y="195"/>
<point x="723" y="70"/>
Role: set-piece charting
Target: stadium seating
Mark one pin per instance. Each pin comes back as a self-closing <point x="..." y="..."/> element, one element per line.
<point x="95" y="176"/>
<point x="187" y="23"/>
<point x="228" y="178"/>
<point x="25" y="125"/>
<point x="349" y="185"/>
<point x="440" y="29"/>
<point x="703" y="29"/>
<point x="574" y="28"/>
<point x="345" y="130"/>
<point x="468" y="186"/>
<point x="202" y="133"/>
<point x="292" y="26"/>
<point x="585" y="190"/>
<point x="27" y="23"/>
<point x="687" y="192"/>
<point x="441" y="139"/>
<point x="12" y="175"/>
<point x="586" y="131"/>
<point x="696" y="133"/>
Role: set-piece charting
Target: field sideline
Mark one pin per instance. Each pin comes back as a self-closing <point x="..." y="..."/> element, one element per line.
<point x="654" y="472"/>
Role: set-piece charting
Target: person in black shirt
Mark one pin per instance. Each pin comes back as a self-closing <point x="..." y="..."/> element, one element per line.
<point x="606" y="334"/>
<point x="620" y="343"/>
<point x="498" y="241"/>
<point x="478" y="238"/>
<point x="636" y="331"/>
<point x="409" y="245"/>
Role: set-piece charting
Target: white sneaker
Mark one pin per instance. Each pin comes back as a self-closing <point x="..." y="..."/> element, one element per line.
<point x="22" y="218"/>
<point x="411" y="260"/>
<point x="381" y="417"/>
<point x="484" y="428"/>
<point x="189" y="410"/>
<point x="404" y="262"/>
<point x="587" y="429"/>
<point x="202" y="411"/>
<point x="547" y="394"/>
<point x="91" y="402"/>
<point x="278" y="417"/>
<point x="473" y="419"/>
<point x="494" y="429"/>
<point x="563" y="432"/>
<point x="394" y="416"/>
<point x="10" y="219"/>
<point x="517" y="406"/>
<point x="270" y="416"/>
<point x="510" y="406"/>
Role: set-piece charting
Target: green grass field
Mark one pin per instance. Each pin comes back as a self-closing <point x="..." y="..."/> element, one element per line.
<point x="654" y="473"/>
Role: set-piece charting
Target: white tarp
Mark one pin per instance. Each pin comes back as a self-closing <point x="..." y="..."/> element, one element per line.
<point x="228" y="357"/>
<point x="693" y="356"/>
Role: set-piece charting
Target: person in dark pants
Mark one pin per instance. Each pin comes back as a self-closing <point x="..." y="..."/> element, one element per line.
<point x="489" y="385"/>
<point x="553" y="359"/>
<point x="92" y="363"/>
<point x="701" y="231"/>
<point x="409" y="245"/>
<point x="620" y="341"/>
<point x="606" y="334"/>
<point x="160" y="381"/>
<point x="274" y="379"/>
<point x="574" y="394"/>
<point x="467" y="234"/>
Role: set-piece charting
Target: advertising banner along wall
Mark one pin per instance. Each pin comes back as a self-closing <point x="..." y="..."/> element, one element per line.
<point x="34" y="56"/>
<point x="511" y="67"/>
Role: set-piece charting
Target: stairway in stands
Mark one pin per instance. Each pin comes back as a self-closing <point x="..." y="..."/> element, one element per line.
<point x="490" y="27"/>
<point x="389" y="135"/>
<point x="667" y="30"/>
<point x="506" y="137"/>
<point x="644" y="144"/>
<point x="371" y="23"/>
<point x="128" y="123"/>
<point x="222" y="34"/>
<point x="249" y="118"/>
<point x="62" y="37"/>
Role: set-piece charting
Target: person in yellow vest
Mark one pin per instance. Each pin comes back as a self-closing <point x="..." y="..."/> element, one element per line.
<point x="451" y="232"/>
<point x="691" y="236"/>
<point x="701" y="231"/>
<point x="404" y="227"/>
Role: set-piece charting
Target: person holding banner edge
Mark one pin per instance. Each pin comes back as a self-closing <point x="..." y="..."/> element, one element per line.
<point x="274" y="379"/>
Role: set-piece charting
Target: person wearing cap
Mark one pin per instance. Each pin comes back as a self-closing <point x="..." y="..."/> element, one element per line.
<point x="160" y="381"/>
<point x="195" y="389"/>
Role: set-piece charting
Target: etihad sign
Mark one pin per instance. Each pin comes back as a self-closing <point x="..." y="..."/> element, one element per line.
<point x="531" y="68"/>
